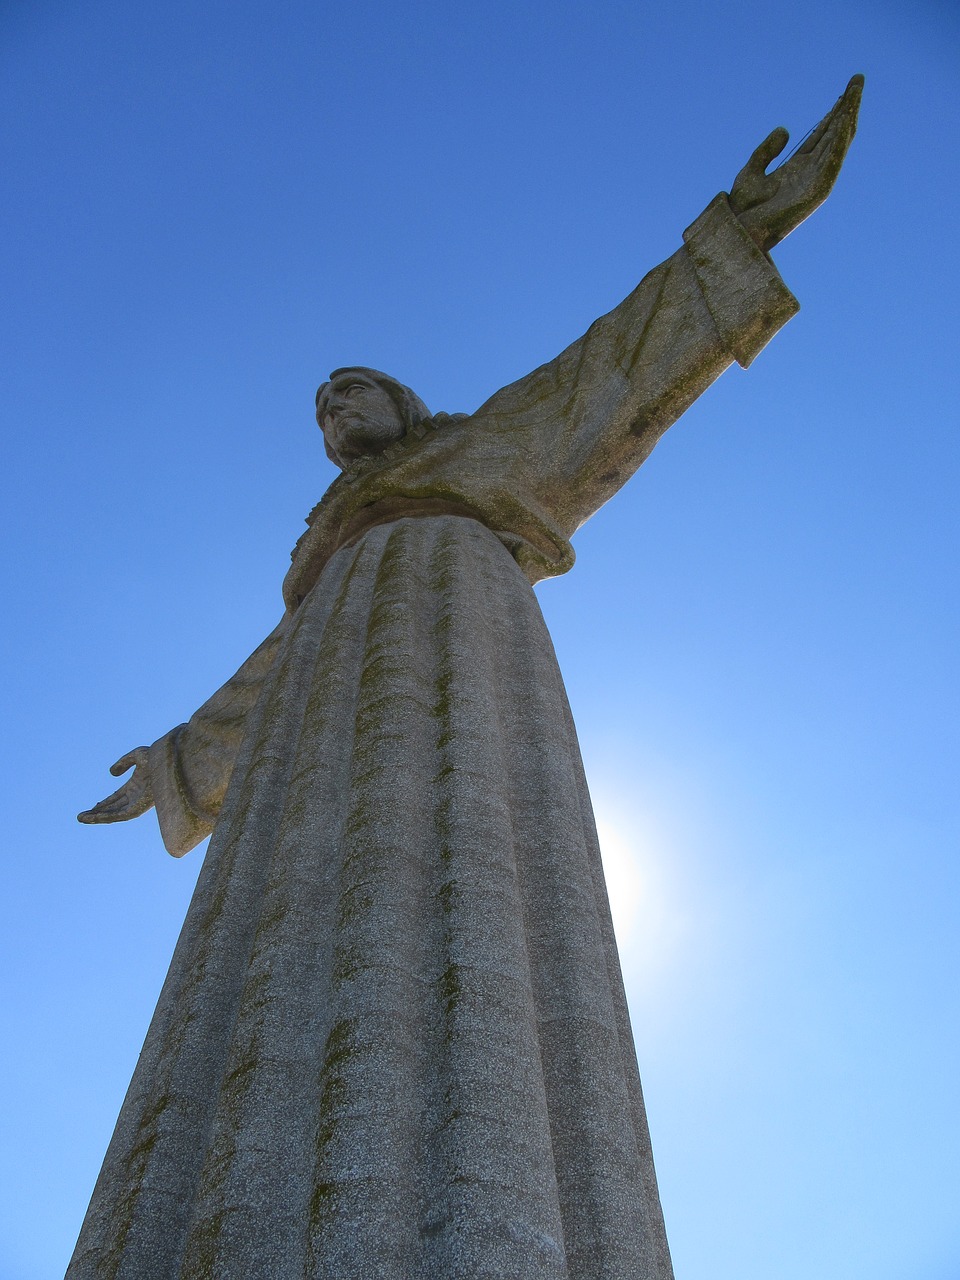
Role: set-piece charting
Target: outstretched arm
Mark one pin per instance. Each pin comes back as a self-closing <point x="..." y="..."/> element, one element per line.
<point x="589" y="418"/>
<point x="185" y="773"/>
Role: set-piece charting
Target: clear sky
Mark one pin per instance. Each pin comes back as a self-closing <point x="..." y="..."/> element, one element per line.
<point x="208" y="206"/>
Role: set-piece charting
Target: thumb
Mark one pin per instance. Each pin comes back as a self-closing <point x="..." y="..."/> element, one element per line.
<point x="768" y="150"/>
<point x="129" y="761"/>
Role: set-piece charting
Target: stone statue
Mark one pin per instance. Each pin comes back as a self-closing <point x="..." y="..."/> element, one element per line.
<point x="393" y="1042"/>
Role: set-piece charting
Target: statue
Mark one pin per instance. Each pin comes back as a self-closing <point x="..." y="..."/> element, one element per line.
<point x="393" y="1041"/>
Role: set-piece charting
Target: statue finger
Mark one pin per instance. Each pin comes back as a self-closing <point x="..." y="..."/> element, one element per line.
<point x="850" y="98"/>
<point x="122" y="804"/>
<point x="854" y="92"/>
<point x="768" y="150"/>
<point x="848" y="110"/>
<point x="829" y="151"/>
<point x="108" y="810"/>
<point x="129" y="761"/>
<point x="816" y="135"/>
<point x="841" y="119"/>
<point x="90" y="816"/>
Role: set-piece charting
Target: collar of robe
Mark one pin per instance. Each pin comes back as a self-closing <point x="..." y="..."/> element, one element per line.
<point x="384" y="511"/>
<point x="374" y="461"/>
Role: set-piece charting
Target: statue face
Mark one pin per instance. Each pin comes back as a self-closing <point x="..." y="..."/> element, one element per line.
<point x="358" y="417"/>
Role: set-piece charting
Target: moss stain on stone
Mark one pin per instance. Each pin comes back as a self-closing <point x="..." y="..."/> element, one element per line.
<point x="200" y="1261"/>
<point x="135" y="1167"/>
<point x="348" y="964"/>
<point x="356" y="901"/>
<point x="340" y="1048"/>
<point x="449" y="894"/>
<point x="274" y="914"/>
<point x="322" y="1206"/>
<point x="450" y="988"/>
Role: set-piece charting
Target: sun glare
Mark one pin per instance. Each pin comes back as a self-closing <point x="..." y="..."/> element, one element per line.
<point x="645" y="898"/>
<point x="624" y="876"/>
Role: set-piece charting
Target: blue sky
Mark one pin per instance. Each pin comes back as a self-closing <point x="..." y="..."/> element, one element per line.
<point x="209" y="206"/>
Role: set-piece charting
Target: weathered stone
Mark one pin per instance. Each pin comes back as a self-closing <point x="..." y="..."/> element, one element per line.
<point x="393" y="1040"/>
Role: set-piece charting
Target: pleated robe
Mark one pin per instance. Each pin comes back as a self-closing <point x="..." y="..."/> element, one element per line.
<point x="393" y="1042"/>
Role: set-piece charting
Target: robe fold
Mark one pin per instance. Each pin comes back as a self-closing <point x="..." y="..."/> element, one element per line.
<point x="393" y="1042"/>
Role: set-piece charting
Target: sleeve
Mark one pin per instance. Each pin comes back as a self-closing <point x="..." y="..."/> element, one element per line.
<point x="586" y="421"/>
<point x="190" y="767"/>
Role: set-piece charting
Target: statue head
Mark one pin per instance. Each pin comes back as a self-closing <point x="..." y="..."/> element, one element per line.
<point x="362" y="411"/>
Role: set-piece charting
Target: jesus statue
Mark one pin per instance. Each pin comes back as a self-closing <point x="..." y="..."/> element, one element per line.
<point x="393" y="1042"/>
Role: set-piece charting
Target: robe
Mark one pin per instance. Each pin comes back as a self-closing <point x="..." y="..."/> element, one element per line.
<point x="393" y="1043"/>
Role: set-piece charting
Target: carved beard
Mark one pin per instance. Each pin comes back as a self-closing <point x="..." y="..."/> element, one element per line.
<point x="358" y="436"/>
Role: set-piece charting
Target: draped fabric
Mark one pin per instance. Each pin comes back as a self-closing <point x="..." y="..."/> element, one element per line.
<point x="393" y="1041"/>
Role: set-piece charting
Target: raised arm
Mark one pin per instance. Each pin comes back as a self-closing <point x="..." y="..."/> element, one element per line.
<point x="186" y="772"/>
<point x="590" y="417"/>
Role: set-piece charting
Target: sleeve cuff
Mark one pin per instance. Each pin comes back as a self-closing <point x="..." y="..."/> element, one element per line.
<point x="181" y="826"/>
<point x="741" y="287"/>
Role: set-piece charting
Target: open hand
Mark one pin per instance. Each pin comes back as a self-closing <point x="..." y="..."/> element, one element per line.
<point x="771" y="205"/>
<point x="130" y="800"/>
